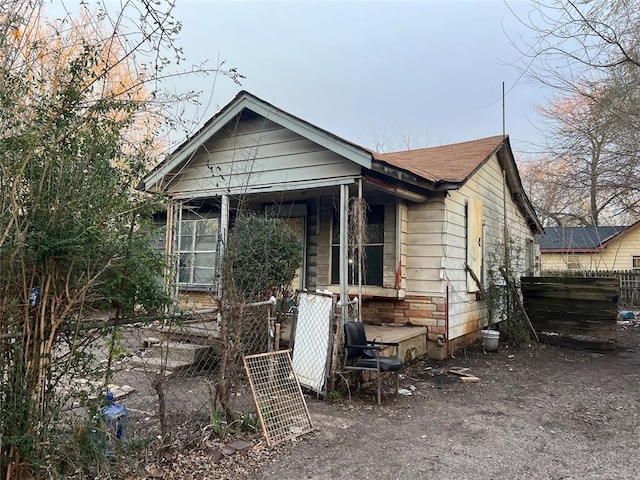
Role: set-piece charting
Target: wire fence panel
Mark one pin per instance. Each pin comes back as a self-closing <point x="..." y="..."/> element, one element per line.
<point x="180" y="360"/>
<point x="278" y="398"/>
<point x="313" y="339"/>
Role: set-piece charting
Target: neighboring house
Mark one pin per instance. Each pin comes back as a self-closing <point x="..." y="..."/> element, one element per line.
<point x="431" y="211"/>
<point x="590" y="248"/>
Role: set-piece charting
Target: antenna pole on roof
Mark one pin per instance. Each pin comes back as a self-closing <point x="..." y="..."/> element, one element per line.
<point x="503" y="115"/>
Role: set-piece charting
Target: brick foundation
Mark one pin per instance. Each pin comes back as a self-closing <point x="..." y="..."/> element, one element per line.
<point x="420" y="311"/>
<point x="427" y="312"/>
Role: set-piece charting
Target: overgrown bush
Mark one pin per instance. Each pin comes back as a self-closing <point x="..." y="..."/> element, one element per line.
<point x="260" y="260"/>
<point x="70" y="220"/>
<point x="261" y="257"/>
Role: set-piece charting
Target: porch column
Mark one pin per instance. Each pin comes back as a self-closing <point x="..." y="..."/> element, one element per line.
<point x="176" y="243"/>
<point x="222" y="238"/>
<point x="360" y="247"/>
<point x="344" y="252"/>
<point x="169" y="248"/>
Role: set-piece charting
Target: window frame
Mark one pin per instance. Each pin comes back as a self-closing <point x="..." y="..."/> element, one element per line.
<point x="192" y="251"/>
<point x="635" y="259"/>
<point x="576" y="263"/>
<point x="334" y="274"/>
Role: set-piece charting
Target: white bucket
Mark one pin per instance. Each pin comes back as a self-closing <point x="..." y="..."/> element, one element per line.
<point x="490" y="340"/>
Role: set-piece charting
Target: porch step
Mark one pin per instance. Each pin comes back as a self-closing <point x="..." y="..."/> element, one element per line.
<point x="412" y="340"/>
<point x="157" y="364"/>
<point x="203" y="333"/>
<point x="177" y="355"/>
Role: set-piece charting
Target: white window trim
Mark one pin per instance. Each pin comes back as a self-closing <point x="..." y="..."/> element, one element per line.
<point x="191" y="250"/>
<point x="574" y="265"/>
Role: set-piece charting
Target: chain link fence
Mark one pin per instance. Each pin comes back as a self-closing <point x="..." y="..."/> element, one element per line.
<point x="167" y="372"/>
<point x="171" y="368"/>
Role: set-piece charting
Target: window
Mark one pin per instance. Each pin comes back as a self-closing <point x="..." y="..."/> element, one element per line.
<point x="573" y="262"/>
<point x="373" y="249"/>
<point x="197" y="244"/>
<point x="635" y="262"/>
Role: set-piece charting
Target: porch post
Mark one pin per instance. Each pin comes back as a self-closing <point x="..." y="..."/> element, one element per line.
<point x="344" y="252"/>
<point x="169" y="250"/>
<point x="176" y="258"/>
<point x="222" y="238"/>
<point x="360" y="247"/>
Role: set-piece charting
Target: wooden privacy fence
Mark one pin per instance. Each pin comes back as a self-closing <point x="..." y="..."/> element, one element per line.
<point x="573" y="311"/>
<point x="629" y="282"/>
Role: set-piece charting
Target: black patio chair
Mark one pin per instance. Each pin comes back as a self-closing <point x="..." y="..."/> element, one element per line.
<point x="361" y="354"/>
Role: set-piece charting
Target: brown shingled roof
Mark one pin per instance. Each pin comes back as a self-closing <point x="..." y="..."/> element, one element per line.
<point x="446" y="163"/>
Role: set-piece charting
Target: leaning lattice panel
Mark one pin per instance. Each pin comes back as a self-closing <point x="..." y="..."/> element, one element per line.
<point x="277" y="396"/>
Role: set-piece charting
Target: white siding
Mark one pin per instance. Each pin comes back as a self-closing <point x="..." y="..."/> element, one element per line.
<point x="258" y="155"/>
<point x="486" y="187"/>
<point x="389" y="261"/>
<point x="424" y="248"/>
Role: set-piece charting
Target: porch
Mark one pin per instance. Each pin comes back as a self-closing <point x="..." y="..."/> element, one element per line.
<point x="412" y="340"/>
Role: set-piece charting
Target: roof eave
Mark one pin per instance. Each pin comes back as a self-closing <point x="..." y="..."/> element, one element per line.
<point x="405" y="176"/>
<point x="513" y="178"/>
<point x="245" y="100"/>
<point x="572" y="250"/>
<point x="621" y="233"/>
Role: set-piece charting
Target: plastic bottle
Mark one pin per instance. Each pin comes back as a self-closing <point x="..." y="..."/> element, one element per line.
<point x="34" y="296"/>
<point x="115" y="418"/>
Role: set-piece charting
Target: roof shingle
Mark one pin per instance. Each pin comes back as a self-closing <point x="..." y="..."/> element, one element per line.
<point x="576" y="238"/>
<point x="445" y="163"/>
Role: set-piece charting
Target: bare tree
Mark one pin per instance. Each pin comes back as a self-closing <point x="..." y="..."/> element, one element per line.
<point x="589" y="52"/>
<point x="584" y="159"/>
<point x="544" y="181"/>
<point x="577" y="40"/>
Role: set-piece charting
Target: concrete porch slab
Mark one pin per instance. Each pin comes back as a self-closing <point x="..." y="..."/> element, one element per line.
<point x="412" y="340"/>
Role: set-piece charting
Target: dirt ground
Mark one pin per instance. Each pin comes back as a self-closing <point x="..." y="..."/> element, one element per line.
<point x="539" y="411"/>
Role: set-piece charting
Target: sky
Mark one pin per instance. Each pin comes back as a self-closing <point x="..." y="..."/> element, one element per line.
<point x="386" y="74"/>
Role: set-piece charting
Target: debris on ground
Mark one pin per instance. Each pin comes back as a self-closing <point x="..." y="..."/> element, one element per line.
<point x="626" y="315"/>
<point x="464" y="374"/>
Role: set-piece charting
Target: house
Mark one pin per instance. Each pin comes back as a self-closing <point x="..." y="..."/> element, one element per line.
<point x="590" y="248"/>
<point x="437" y="216"/>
